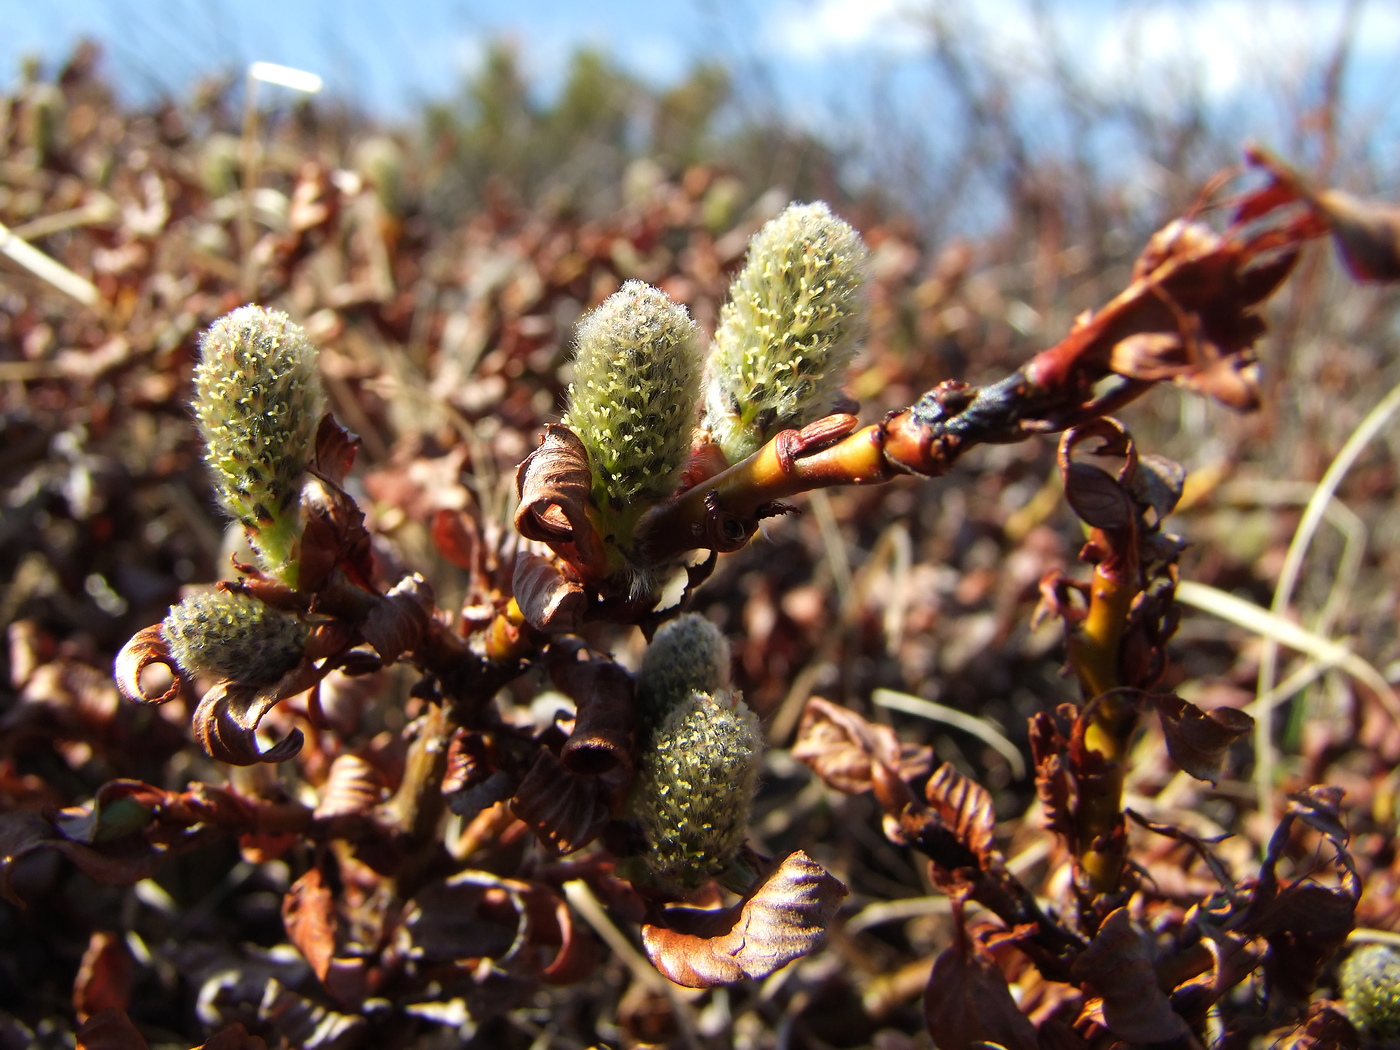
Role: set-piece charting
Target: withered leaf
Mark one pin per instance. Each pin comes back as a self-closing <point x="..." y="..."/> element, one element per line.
<point x="110" y="1029"/>
<point x="784" y="917"/>
<point x="965" y="807"/>
<point x="309" y="915"/>
<point x="1366" y="233"/>
<point x="1197" y="740"/>
<point x="554" y="485"/>
<point x="967" y="1003"/>
<point x="105" y="976"/>
<point x="566" y="811"/>
<point x="226" y="721"/>
<point x="119" y="808"/>
<point x="1117" y="966"/>
<point x="604" y="694"/>
<point x="146" y="647"/>
<point x="396" y="623"/>
<point x="1324" y="1027"/>
<point x="549" y="599"/>
<point x="234" y="1037"/>
<point x="842" y="748"/>
<point x="336" y="449"/>
<point x="353" y="788"/>
<point x="1052" y="780"/>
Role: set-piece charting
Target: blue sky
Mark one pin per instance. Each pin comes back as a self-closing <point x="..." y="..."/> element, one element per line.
<point x="388" y="56"/>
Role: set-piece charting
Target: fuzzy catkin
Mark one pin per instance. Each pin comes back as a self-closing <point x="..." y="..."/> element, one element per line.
<point x="1370" y="980"/>
<point x="229" y="635"/>
<point x="633" y="398"/>
<point x="788" y="331"/>
<point x="258" y="402"/>
<point x="695" y="786"/>
<point x="688" y="653"/>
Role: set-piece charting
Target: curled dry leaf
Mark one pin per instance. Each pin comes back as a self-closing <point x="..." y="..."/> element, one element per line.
<point x="967" y="1003"/>
<point x="333" y="536"/>
<point x="554" y="484"/>
<point x="965" y="808"/>
<point x="843" y="748"/>
<point x="226" y="721"/>
<point x="565" y="810"/>
<point x="550" y="600"/>
<point x="336" y="449"/>
<point x="353" y="788"/>
<point x="145" y="648"/>
<point x="782" y="919"/>
<point x="1053" y="785"/>
<point x="605" y="697"/>
<point x="1117" y="967"/>
<point x="396" y="623"/>
<point x="1324" y="1027"/>
<point x="1197" y="740"/>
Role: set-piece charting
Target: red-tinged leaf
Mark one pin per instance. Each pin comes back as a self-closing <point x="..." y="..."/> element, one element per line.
<point x="1117" y="967"/>
<point x="1366" y="233"/>
<point x="968" y="1004"/>
<point x="309" y="915"/>
<point x="843" y="748"/>
<point x="457" y="537"/>
<point x="110" y="1029"/>
<point x="566" y="811"/>
<point x="146" y="647"/>
<point x="965" y="807"/>
<point x="398" y="620"/>
<point x="578" y="955"/>
<point x="336" y="449"/>
<point x="105" y="976"/>
<point x="604" y="694"/>
<point x="554" y="485"/>
<point x="783" y="918"/>
<point x="550" y="600"/>
<point x="234" y="1037"/>
<point x="1198" y="741"/>
<point x="333" y="536"/>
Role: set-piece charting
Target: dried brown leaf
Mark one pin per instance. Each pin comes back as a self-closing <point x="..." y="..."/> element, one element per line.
<point x="550" y="600"/>
<point x="782" y="919"/>
<point x="309" y="915"/>
<point x="1117" y="967"/>
<point x="604" y="694"/>
<point x="967" y="1003"/>
<point x="1052" y="780"/>
<point x="396" y="623"/>
<point x="554" y="485"/>
<point x="146" y="647"/>
<point x="843" y="748"/>
<point x="565" y="810"/>
<point x="1366" y="233"/>
<point x="226" y="721"/>
<point x="1324" y="1027"/>
<point x="105" y="976"/>
<point x="110" y="1029"/>
<point x="353" y="788"/>
<point x="234" y="1037"/>
<point x="1198" y="741"/>
<point x="336" y="449"/>
<point x="965" y="808"/>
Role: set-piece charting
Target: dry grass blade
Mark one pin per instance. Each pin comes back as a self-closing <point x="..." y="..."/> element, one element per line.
<point x="981" y="728"/>
<point x="47" y="268"/>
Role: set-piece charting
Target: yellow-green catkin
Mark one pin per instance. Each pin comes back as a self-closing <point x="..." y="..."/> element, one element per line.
<point x="258" y="402"/>
<point x="789" y="330"/>
<point x="1370" y="980"/>
<point x="634" y="394"/>
<point x="228" y="635"/>
<point x="694" y="789"/>
<point x="687" y="653"/>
